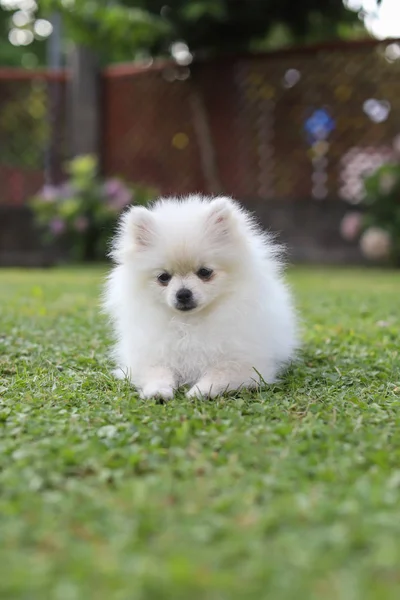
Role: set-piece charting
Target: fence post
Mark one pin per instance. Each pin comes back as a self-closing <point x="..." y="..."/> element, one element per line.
<point x="204" y="140"/>
<point x="84" y="102"/>
<point x="53" y="154"/>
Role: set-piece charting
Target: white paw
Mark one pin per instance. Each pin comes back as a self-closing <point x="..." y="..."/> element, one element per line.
<point x="120" y="373"/>
<point x="157" y="390"/>
<point x="194" y="392"/>
<point x="203" y="390"/>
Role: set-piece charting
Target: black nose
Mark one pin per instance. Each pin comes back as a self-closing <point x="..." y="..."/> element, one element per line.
<point x="184" y="295"/>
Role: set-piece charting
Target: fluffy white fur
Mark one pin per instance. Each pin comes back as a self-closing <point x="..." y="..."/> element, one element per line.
<point x="242" y="324"/>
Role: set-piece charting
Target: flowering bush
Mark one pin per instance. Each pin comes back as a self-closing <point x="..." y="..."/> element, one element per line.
<point x="378" y="228"/>
<point x="82" y="212"/>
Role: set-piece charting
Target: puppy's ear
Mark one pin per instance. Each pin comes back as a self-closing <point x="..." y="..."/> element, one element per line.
<point x="221" y="218"/>
<point x="136" y="232"/>
<point x="140" y="225"/>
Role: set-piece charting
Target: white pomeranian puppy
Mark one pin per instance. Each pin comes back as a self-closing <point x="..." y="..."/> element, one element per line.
<point x="197" y="298"/>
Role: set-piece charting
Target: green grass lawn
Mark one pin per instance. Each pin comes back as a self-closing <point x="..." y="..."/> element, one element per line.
<point x="292" y="493"/>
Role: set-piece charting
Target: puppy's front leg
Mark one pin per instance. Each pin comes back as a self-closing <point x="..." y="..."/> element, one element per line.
<point x="219" y="380"/>
<point x="157" y="382"/>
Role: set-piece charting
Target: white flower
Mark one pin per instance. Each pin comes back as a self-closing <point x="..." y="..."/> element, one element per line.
<point x="386" y="183"/>
<point x="350" y="226"/>
<point x="376" y="244"/>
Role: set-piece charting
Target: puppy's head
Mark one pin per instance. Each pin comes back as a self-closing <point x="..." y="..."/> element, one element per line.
<point x="186" y="253"/>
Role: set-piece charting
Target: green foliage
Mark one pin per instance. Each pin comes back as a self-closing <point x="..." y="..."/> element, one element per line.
<point x="82" y="212"/>
<point x="382" y="201"/>
<point x="23" y="124"/>
<point x="124" y="29"/>
<point x="292" y="493"/>
<point x="117" y="30"/>
<point x="17" y="56"/>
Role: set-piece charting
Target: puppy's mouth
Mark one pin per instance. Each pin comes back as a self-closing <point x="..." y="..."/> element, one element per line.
<point x="185" y="307"/>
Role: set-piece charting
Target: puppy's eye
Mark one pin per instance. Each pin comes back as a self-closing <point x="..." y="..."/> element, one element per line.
<point x="204" y="273"/>
<point x="164" y="278"/>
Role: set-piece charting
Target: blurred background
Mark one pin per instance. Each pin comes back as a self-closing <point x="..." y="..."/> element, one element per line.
<point x="292" y="108"/>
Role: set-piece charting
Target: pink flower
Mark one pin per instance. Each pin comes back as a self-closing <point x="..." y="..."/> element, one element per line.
<point x="57" y="226"/>
<point x="49" y="193"/>
<point x="112" y="187"/>
<point x="81" y="224"/>
<point x="66" y="191"/>
<point x="350" y="226"/>
<point x="117" y="194"/>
